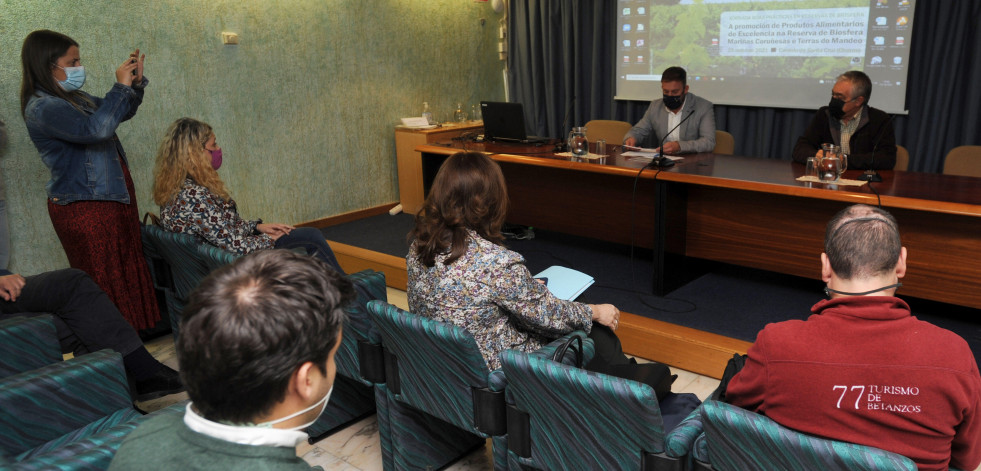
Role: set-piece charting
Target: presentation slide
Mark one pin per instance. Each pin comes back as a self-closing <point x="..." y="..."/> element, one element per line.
<point x="768" y="53"/>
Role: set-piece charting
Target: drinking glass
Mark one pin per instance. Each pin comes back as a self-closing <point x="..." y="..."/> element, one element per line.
<point x="828" y="168"/>
<point x="601" y="147"/>
<point x="459" y="115"/>
<point x="811" y="169"/>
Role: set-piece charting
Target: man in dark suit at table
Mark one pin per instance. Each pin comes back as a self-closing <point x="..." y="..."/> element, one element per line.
<point x="862" y="369"/>
<point x="689" y="119"/>
<point x="864" y="133"/>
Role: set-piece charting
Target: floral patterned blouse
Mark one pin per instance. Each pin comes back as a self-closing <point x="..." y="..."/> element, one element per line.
<point x="490" y="292"/>
<point x="199" y="212"/>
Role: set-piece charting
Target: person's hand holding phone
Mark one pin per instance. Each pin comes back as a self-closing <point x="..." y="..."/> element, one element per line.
<point x="138" y="71"/>
<point x="131" y="71"/>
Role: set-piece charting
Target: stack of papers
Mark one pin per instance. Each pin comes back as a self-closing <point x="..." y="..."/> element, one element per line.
<point x="648" y="154"/>
<point x="589" y="156"/>
<point x="840" y="181"/>
<point x="565" y="283"/>
<point x="417" y="122"/>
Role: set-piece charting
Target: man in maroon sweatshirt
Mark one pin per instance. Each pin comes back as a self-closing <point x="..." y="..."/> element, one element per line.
<point x="862" y="369"/>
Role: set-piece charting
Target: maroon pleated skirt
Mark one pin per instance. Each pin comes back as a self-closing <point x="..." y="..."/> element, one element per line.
<point x="102" y="238"/>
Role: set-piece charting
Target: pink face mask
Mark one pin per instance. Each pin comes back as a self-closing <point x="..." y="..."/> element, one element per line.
<point x="215" y="158"/>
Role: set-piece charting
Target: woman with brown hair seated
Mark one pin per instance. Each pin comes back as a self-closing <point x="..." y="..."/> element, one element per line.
<point x="459" y="272"/>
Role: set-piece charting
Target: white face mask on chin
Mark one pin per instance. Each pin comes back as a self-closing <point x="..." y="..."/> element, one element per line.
<point x="322" y="403"/>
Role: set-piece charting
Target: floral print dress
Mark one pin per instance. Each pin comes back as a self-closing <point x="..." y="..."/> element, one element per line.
<point x="199" y="212"/>
<point x="490" y="292"/>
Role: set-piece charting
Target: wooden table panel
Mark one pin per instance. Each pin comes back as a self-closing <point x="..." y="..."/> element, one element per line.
<point x="778" y="233"/>
<point x="943" y="256"/>
<point x="747" y="211"/>
<point x="581" y="203"/>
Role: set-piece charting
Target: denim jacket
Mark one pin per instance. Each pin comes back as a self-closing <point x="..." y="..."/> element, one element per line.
<point x="81" y="148"/>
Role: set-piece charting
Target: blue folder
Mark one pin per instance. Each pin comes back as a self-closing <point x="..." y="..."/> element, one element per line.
<point x="565" y="283"/>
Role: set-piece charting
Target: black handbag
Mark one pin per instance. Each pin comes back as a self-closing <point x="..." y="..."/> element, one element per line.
<point x="559" y="354"/>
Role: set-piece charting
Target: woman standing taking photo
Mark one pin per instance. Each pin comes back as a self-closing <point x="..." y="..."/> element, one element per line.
<point x="91" y="200"/>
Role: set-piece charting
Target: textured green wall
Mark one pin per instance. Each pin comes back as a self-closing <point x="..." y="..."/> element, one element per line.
<point x="304" y="107"/>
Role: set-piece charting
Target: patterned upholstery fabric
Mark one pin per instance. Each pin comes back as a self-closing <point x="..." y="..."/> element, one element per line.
<point x="430" y="421"/>
<point x="27" y="343"/>
<point x="584" y="420"/>
<point x="699" y="453"/>
<point x="214" y="257"/>
<point x="437" y="368"/>
<point x="70" y="415"/>
<point x="683" y="436"/>
<point x="738" y="439"/>
<point x="358" y="323"/>
<point x="44" y="405"/>
<point x="187" y="262"/>
<point x="94" y="452"/>
<point x="352" y="397"/>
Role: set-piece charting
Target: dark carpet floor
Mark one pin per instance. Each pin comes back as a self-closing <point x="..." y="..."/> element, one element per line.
<point x="732" y="301"/>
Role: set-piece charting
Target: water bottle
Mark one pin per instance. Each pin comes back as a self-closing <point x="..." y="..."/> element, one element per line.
<point x="426" y="113"/>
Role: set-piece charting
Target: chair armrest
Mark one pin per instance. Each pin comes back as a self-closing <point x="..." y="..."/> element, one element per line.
<point x="27" y="343"/>
<point x="699" y="452"/>
<point x="44" y="404"/>
<point x="357" y="326"/>
<point x="680" y="441"/>
<point x="215" y="257"/>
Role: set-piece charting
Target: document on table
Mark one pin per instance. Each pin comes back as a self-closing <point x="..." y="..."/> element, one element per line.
<point x="565" y="283"/>
<point x="417" y="122"/>
<point x="648" y="154"/>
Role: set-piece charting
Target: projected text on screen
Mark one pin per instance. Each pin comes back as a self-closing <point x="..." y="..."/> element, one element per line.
<point x="768" y="53"/>
<point x="826" y="32"/>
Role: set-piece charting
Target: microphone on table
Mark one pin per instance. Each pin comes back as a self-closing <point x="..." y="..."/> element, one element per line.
<point x="562" y="146"/>
<point x="661" y="161"/>
<point x="871" y="175"/>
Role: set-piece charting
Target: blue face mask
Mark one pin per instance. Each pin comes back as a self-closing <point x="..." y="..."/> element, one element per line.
<point x="74" y="78"/>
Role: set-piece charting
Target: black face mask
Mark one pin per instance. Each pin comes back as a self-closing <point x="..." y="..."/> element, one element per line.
<point x="837" y="108"/>
<point x="674" y="102"/>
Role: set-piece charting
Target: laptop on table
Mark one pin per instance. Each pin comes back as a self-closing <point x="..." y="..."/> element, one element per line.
<point x="506" y="122"/>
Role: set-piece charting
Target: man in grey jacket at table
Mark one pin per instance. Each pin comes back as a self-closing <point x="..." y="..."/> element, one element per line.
<point x="687" y="120"/>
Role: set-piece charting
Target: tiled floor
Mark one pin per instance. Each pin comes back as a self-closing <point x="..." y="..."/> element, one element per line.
<point x="356" y="447"/>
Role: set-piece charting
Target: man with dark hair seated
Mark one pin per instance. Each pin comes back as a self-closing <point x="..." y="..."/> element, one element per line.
<point x="86" y="321"/>
<point x="862" y="369"/>
<point x="668" y="120"/>
<point x="256" y="353"/>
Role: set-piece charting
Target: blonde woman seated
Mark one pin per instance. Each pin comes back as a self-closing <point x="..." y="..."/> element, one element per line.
<point x="459" y="272"/>
<point x="194" y="200"/>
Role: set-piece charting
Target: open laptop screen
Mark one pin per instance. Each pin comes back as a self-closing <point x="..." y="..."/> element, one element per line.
<point x="504" y="121"/>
